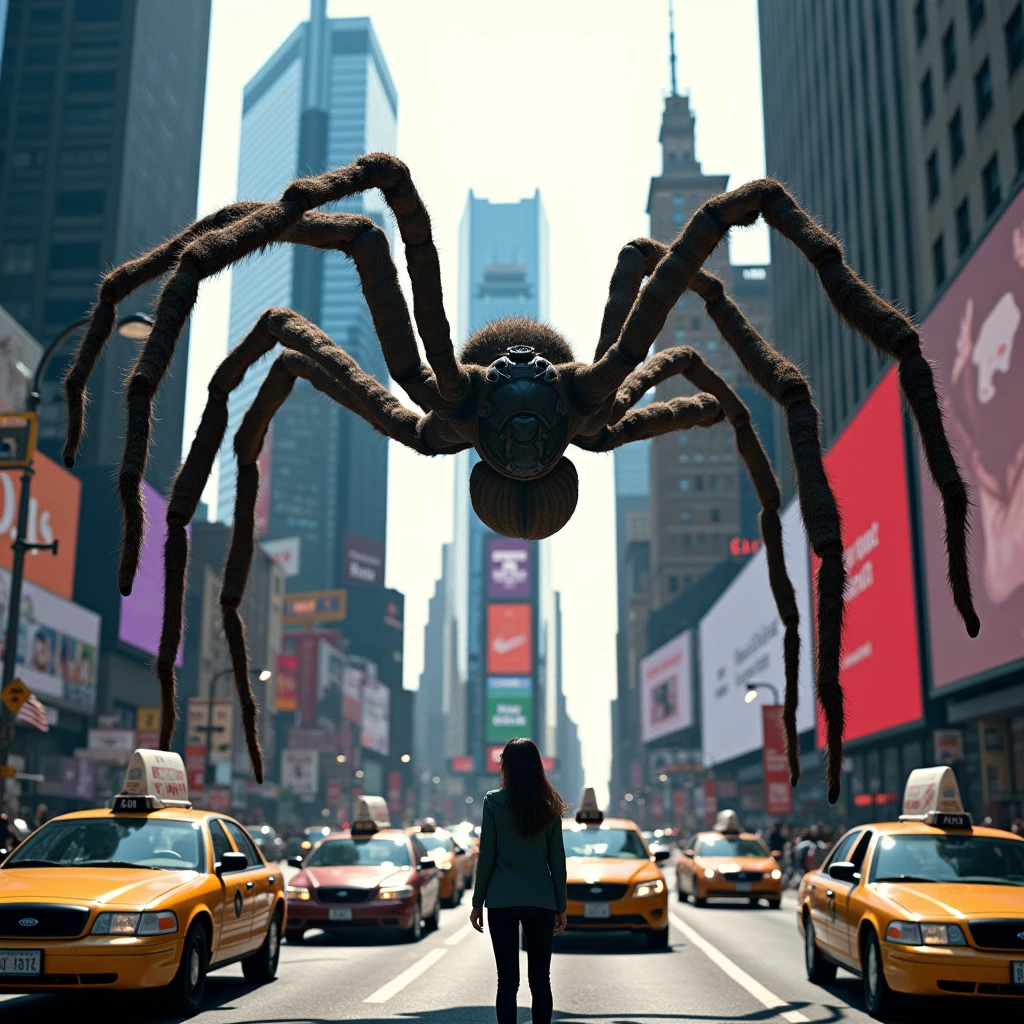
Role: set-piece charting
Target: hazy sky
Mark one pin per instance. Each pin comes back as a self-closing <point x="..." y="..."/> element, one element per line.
<point x="563" y="96"/>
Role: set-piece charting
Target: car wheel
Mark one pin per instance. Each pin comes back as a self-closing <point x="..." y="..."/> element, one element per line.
<point x="878" y="997"/>
<point x="698" y="900"/>
<point x="186" y="991"/>
<point x="774" y="904"/>
<point x="261" y="966"/>
<point x="434" y="921"/>
<point x="294" y="935"/>
<point x="657" y="938"/>
<point x="819" y="970"/>
<point x="415" y="933"/>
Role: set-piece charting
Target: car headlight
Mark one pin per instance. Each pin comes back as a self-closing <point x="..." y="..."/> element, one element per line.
<point x="161" y="922"/>
<point x="651" y="888"/>
<point x="942" y="935"/>
<point x="397" y="892"/>
<point x="906" y="933"/>
<point x="709" y="872"/>
<point x="116" y="924"/>
<point x="776" y="874"/>
<point x="298" y="892"/>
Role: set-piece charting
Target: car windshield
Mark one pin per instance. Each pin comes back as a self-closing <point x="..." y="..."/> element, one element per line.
<point x="114" y="842"/>
<point x="383" y="853"/>
<point x="433" y="842"/>
<point x="624" y="843"/>
<point x="949" y="858"/>
<point x="730" y="846"/>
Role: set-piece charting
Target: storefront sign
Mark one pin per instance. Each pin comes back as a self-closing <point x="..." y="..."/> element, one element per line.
<point x="459" y="766"/>
<point x="949" y="746"/>
<point x="778" y="793"/>
<point x="147" y="728"/>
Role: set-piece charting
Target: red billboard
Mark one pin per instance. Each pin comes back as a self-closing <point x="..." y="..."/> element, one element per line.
<point x="778" y="793"/>
<point x="969" y="337"/>
<point x="509" y="643"/>
<point x="879" y="663"/>
<point x="492" y="758"/>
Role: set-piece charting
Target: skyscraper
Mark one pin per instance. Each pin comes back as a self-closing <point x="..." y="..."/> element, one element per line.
<point x="101" y="113"/>
<point x="323" y="98"/>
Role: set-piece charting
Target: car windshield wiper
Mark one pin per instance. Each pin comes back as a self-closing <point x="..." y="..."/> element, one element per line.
<point x="905" y="878"/>
<point x="988" y="880"/>
<point x="115" y="864"/>
<point x="34" y="864"/>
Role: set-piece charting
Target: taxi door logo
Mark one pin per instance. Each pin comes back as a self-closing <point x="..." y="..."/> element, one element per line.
<point x="509" y="641"/>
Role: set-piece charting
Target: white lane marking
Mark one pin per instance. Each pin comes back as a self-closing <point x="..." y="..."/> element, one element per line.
<point x="454" y="940"/>
<point x="410" y="974"/>
<point x="767" y="999"/>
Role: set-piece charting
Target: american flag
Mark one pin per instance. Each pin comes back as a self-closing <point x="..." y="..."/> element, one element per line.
<point x="33" y="713"/>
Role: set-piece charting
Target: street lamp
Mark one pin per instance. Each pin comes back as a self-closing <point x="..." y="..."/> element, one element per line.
<point x="136" y="326"/>
<point x="405" y="759"/>
<point x="209" y="729"/>
<point x="752" y="689"/>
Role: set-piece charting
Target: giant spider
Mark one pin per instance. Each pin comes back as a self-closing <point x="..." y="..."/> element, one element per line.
<point x="515" y="393"/>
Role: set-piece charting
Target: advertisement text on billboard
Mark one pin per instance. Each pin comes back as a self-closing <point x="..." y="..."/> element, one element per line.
<point x="508" y="568"/>
<point x="666" y="691"/>
<point x="509" y="639"/>
<point x="509" y="702"/>
<point x="362" y="560"/>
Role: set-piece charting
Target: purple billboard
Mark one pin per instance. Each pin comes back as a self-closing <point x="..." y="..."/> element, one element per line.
<point x="362" y="560"/>
<point x="970" y="337"/>
<point x="508" y="568"/>
<point x="142" y="613"/>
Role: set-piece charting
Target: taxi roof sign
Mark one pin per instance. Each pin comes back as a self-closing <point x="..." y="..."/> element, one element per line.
<point x="589" y="813"/>
<point x="371" y="816"/>
<point x="727" y="822"/>
<point x="154" y="779"/>
<point x="933" y="796"/>
<point x="428" y="825"/>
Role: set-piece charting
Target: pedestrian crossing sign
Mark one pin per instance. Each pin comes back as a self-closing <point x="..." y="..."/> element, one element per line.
<point x="14" y="694"/>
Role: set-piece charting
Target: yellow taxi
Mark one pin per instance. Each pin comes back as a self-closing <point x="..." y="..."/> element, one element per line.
<point x="928" y="905"/>
<point x="726" y="862"/>
<point x="452" y="860"/>
<point x="467" y="835"/>
<point x="612" y="878"/>
<point x="147" y="894"/>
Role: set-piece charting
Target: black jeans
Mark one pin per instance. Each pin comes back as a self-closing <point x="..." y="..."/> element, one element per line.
<point x="539" y="928"/>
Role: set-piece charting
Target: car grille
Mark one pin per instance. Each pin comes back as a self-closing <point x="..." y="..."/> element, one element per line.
<point x="1004" y="934"/>
<point x="604" y="893"/>
<point x="52" y="922"/>
<point x="609" y="923"/>
<point x="742" y="876"/>
<point x="342" y="895"/>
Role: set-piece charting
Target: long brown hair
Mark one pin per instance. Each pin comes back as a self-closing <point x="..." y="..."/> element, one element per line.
<point x="534" y="802"/>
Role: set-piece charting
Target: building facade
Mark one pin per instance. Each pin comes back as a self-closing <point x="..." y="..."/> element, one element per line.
<point x="324" y="98"/>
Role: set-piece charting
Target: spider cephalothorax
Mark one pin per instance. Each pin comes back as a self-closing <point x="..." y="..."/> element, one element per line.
<point x="515" y="392"/>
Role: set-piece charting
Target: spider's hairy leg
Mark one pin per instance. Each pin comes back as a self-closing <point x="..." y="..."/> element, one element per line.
<point x="115" y="288"/>
<point x="653" y="420"/>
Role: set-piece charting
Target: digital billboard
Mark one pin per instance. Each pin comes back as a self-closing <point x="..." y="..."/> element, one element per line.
<point x="666" y="689"/>
<point x="970" y="338"/>
<point x="376" y="716"/>
<point x="741" y="642"/>
<point x="508" y="568"/>
<point x="509" y="708"/>
<point x="879" y="662"/>
<point x="509" y="641"/>
<point x="362" y="560"/>
<point x="142" y="613"/>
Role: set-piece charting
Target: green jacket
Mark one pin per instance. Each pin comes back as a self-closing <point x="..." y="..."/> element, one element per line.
<point x="517" y="872"/>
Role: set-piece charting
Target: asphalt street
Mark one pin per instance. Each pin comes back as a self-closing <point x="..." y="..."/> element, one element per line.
<point x="727" y="963"/>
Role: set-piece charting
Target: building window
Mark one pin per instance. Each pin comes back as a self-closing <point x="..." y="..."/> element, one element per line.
<point x="695" y="322"/>
<point x="975" y="14"/>
<point x="949" y="52"/>
<point x="715" y="482"/>
<point x="673" y="584"/>
<point x="677" y="200"/>
<point x="920" y="22"/>
<point x="74" y="255"/>
<point x="702" y="540"/>
<point x="684" y="484"/>
<point x="677" y="217"/>
<point x="983" y="91"/>
<point x="990" y="185"/>
<point x="712" y="344"/>
<point x="1013" y="31"/>
<point x="91" y="81"/>
<point x="17" y="257"/>
<point x="680" y="336"/>
<point x="956" y="139"/>
<point x="698" y="482"/>
<point x="932" y="174"/>
<point x="963" y="228"/>
<point x="1018" y="142"/>
<point x="686" y="516"/>
<point x="716" y="515"/>
<point x="927" y="98"/>
<point x="80" y="204"/>
<point x="939" y="261"/>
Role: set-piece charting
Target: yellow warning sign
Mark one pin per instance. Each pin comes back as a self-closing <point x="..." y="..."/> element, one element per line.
<point x="7" y="771"/>
<point x="147" y="719"/>
<point x="14" y="694"/>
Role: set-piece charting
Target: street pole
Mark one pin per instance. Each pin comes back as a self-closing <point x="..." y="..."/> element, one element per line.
<point x="21" y="545"/>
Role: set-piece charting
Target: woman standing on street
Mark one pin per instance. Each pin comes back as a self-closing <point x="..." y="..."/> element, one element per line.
<point x="521" y="876"/>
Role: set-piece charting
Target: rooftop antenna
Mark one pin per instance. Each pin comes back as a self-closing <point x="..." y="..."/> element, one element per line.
<point x="672" y="47"/>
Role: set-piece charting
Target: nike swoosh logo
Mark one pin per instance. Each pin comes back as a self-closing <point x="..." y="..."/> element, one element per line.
<point x="503" y="645"/>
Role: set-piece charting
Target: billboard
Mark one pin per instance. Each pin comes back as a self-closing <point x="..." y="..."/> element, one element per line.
<point x="300" y="771"/>
<point x="741" y="642"/>
<point x="58" y="645"/>
<point x="509" y="643"/>
<point x="286" y="552"/>
<point x="54" y="503"/>
<point x="142" y="613"/>
<point x="666" y="689"/>
<point x="352" y="693"/>
<point x="376" y="716"/>
<point x="509" y="708"/>
<point x="778" y="791"/>
<point x="362" y="560"/>
<point x="285" y="696"/>
<point x="19" y="356"/>
<point x="879" y="663"/>
<point x="970" y="337"/>
<point x="508" y="569"/>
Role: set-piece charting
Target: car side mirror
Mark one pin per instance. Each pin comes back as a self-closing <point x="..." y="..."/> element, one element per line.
<point x="687" y="853"/>
<point x="844" y="871"/>
<point x="295" y="862"/>
<point x="426" y="864"/>
<point x="776" y="854"/>
<point x="231" y="862"/>
<point x="660" y="856"/>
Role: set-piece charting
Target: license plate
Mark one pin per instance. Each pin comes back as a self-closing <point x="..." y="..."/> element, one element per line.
<point x="1017" y="971"/>
<point x="21" y="961"/>
<point x="597" y="910"/>
<point x="744" y="886"/>
<point x="340" y="914"/>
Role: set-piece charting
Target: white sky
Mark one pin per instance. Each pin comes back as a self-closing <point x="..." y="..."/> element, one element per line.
<point x="566" y="97"/>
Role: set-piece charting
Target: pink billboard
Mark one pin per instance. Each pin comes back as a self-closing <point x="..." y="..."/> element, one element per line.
<point x="969" y="337"/>
<point x="142" y="614"/>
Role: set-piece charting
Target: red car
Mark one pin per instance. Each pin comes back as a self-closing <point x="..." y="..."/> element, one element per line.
<point x="372" y="876"/>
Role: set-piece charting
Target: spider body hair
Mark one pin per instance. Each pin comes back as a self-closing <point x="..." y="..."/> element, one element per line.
<point x="515" y="392"/>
